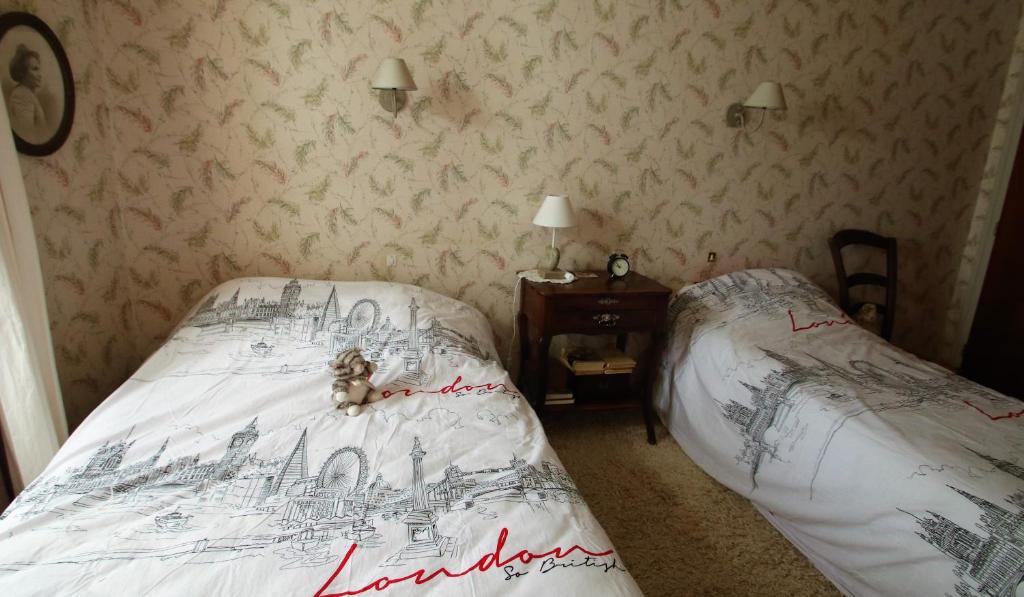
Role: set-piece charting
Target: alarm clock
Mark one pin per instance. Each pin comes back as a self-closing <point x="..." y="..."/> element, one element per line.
<point x="618" y="266"/>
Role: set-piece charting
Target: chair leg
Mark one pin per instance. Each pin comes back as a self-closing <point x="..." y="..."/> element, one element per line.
<point x="5" y="470"/>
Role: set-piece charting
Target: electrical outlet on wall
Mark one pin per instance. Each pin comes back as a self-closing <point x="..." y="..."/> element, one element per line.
<point x="712" y="256"/>
<point x="385" y="260"/>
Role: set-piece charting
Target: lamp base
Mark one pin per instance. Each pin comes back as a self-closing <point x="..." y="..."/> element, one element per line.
<point x="734" y="116"/>
<point x="556" y="274"/>
<point x="549" y="261"/>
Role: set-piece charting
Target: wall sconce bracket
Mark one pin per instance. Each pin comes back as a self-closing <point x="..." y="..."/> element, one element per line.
<point x="392" y="100"/>
<point x="734" y="115"/>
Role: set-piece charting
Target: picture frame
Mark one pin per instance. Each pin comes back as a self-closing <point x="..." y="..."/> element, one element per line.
<point x="37" y="84"/>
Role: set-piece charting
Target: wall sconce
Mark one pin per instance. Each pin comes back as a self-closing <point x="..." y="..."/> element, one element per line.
<point x="393" y="80"/>
<point x="767" y="96"/>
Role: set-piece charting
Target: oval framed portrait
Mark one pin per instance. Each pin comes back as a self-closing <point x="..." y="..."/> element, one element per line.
<point x="36" y="81"/>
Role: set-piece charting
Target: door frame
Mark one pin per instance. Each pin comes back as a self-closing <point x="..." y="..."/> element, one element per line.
<point x="987" y="235"/>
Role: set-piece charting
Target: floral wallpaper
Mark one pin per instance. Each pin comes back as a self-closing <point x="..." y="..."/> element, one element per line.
<point x="221" y="138"/>
<point x="75" y="207"/>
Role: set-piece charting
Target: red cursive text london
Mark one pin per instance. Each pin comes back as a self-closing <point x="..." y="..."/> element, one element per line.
<point x="486" y="562"/>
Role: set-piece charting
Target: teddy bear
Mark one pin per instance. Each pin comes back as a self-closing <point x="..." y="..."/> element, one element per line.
<point x="869" y="318"/>
<point x="352" y="388"/>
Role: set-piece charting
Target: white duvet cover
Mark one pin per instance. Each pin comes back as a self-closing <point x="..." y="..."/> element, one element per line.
<point x="895" y="476"/>
<point x="221" y="468"/>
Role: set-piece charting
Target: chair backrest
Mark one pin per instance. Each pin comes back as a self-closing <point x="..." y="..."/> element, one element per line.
<point x="844" y="238"/>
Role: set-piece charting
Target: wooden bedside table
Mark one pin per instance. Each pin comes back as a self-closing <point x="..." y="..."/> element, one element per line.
<point x="592" y="306"/>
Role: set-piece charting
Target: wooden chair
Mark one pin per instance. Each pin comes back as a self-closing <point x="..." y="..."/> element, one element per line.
<point x="5" y="474"/>
<point x="845" y="238"/>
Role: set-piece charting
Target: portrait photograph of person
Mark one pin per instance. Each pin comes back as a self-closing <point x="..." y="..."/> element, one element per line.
<point x="35" y="79"/>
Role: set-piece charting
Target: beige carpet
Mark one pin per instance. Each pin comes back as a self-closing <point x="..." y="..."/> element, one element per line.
<point x="678" y="530"/>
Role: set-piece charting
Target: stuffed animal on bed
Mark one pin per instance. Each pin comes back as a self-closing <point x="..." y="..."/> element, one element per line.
<point x="352" y="388"/>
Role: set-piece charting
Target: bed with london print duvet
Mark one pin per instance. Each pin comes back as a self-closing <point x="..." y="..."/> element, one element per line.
<point x="892" y="474"/>
<point x="221" y="468"/>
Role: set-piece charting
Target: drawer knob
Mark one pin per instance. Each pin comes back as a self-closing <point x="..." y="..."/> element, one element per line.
<point x="607" y="320"/>
<point x="608" y="301"/>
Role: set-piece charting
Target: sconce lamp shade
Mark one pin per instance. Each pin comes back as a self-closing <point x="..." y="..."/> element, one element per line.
<point x="555" y="212"/>
<point x="393" y="74"/>
<point x="767" y="96"/>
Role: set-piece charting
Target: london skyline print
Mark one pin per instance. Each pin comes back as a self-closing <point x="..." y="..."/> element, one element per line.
<point x="280" y="327"/>
<point x="303" y="511"/>
<point x="989" y="558"/>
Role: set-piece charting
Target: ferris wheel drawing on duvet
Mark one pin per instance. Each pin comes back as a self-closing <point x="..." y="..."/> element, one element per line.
<point x="344" y="472"/>
<point x="364" y="316"/>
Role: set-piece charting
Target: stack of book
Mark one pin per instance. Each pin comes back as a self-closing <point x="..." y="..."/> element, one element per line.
<point x="588" y="361"/>
<point x="598" y="375"/>
<point x="558" y="386"/>
<point x="557" y="398"/>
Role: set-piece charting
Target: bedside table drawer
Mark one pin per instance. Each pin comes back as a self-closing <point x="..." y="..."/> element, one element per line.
<point x="610" y="302"/>
<point x="609" y="321"/>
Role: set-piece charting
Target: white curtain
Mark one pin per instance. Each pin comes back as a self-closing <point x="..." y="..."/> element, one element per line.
<point x="31" y="410"/>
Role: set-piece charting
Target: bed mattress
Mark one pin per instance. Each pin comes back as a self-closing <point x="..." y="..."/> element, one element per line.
<point x="221" y="467"/>
<point x="894" y="476"/>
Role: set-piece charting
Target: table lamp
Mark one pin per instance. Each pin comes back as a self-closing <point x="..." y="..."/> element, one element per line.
<point x="554" y="213"/>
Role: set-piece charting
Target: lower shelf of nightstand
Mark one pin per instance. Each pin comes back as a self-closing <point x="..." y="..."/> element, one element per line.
<point x="595" y="405"/>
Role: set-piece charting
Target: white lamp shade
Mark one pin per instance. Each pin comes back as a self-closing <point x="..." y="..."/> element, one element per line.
<point x="768" y="96"/>
<point x="393" y="74"/>
<point x="555" y="212"/>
